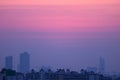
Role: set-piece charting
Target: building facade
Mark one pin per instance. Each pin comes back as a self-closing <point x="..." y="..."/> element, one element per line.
<point x="24" y="62"/>
<point x="9" y="62"/>
<point x="102" y="65"/>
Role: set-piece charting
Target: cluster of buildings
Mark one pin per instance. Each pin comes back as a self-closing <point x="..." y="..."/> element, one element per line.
<point x="24" y="62"/>
<point x="60" y="74"/>
<point x="24" y="73"/>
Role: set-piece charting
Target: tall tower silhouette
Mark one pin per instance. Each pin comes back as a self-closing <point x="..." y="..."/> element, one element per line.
<point x="24" y="62"/>
<point x="9" y="62"/>
<point x="101" y="65"/>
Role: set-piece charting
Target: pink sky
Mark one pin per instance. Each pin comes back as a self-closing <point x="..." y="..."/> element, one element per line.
<point x="60" y="17"/>
<point x="57" y="2"/>
<point x="59" y="14"/>
<point x="51" y="25"/>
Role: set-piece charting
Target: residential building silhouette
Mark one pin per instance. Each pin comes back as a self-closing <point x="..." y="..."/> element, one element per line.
<point x="24" y="62"/>
<point x="24" y="72"/>
<point x="92" y="69"/>
<point x="9" y="62"/>
<point x="60" y="74"/>
<point x="101" y="65"/>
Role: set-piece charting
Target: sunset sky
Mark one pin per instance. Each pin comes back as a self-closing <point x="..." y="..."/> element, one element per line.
<point x="61" y="33"/>
<point x="57" y="2"/>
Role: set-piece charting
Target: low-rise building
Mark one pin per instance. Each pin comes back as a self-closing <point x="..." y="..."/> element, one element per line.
<point x="1" y="77"/>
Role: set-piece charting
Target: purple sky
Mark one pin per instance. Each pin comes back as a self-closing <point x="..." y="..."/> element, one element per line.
<point x="61" y="36"/>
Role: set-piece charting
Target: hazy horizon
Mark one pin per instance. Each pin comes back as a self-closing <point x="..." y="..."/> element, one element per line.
<point x="61" y="35"/>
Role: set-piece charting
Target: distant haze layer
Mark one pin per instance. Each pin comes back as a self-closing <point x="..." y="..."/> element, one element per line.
<point x="61" y="34"/>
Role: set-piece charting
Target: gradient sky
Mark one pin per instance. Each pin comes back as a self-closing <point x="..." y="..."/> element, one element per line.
<point x="56" y="2"/>
<point x="61" y="33"/>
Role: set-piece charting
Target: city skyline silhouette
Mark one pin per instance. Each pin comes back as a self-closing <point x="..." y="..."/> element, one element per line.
<point x="68" y="34"/>
<point x="46" y="73"/>
<point x="25" y="61"/>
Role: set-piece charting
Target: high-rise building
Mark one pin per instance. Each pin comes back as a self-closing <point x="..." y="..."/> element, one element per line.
<point x="9" y="62"/>
<point x="102" y="65"/>
<point x="24" y="62"/>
